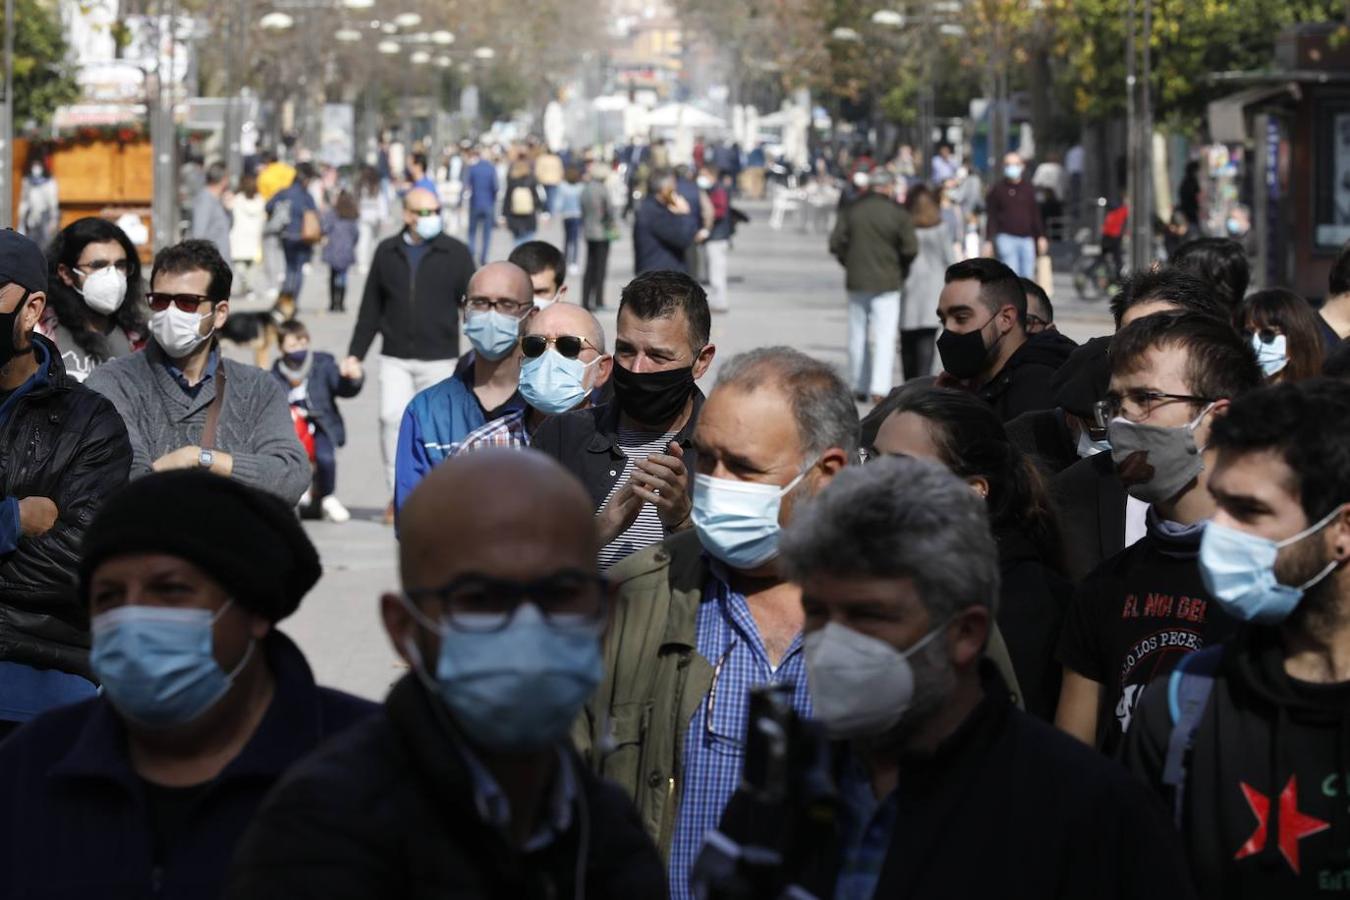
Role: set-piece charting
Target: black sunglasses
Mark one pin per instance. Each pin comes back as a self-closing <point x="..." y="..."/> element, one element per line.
<point x="569" y="346"/>
<point x="160" y="301"/>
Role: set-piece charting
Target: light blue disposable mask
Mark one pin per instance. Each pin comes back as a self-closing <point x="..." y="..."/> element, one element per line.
<point x="156" y="664"/>
<point x="1012" y="172"/>
<point x="552" y="383"/>
<point x="1088" y="447"/>
<point x="1239" y="571"/>
<point x="737" y="521"/>
<point x="492" y="334"/>
<point x="429" y="227"/>
<point x="1274" y="356"/>
<point x="518" y="688"/>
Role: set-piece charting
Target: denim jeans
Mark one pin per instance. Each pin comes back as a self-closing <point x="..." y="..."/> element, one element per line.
<point x="873" y="326"/>
<point x="1017" y="253"/>
<point x="480" y="221"/>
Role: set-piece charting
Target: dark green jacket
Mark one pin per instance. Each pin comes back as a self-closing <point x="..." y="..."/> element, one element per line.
<point x="634" y="727"/>
<point x="874" y="240"/>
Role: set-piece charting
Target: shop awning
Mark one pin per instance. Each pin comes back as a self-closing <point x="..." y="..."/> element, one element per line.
<point x="1228" y="115"/>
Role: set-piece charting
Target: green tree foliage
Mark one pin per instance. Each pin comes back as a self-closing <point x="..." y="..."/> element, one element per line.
<point x="43" y="79"/>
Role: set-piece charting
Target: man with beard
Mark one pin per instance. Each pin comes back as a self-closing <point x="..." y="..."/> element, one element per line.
<point x="943" y="788"/>
<point x="1248" y="739"/>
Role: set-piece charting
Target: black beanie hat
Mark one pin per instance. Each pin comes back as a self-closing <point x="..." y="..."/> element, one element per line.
<point x="1083" y="379"/>
<point x="248" y="541"/>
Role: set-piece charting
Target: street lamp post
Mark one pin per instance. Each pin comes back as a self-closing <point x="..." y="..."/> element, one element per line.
<point x="7" y="125"/>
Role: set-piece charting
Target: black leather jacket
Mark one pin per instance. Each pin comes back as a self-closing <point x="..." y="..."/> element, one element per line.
<point x="64" y="442"/>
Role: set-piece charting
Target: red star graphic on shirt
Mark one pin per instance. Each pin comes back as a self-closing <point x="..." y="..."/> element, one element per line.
<point x="1294" y="825"/>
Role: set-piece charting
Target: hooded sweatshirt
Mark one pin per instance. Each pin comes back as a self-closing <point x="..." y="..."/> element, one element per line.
<point x="1267" y="790"/>
<point x="1026" y="381"/>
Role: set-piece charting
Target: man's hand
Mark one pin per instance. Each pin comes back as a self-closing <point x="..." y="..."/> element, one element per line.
<point x="351" y="369"/>
<point x="182" y="458"/>
<point x="1042" y="246"/>
<point x="702" y="235"/>
<point x="620" y="512"/>
<point x="662" y="480"/>
<point x="37" y="515"/>
<point x="678" y="205"/>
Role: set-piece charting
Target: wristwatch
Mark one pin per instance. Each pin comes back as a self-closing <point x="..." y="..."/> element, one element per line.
<point x="205" y="458"/>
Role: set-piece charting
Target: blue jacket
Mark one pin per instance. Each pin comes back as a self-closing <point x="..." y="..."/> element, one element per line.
<point x="74" y="822"/>
<point x="300" y="202"/>
<point x="325" y="385"/>
<point x="660" y="237"/>
<point x="481" y="179"/>
<point x="437" y="419"/>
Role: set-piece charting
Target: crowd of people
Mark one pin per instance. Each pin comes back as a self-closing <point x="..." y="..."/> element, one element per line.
<point x="1079" y="614"/>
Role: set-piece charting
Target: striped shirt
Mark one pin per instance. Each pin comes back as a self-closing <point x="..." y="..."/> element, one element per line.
<point x="646" y="528"/>
<point x="727" y="637"/>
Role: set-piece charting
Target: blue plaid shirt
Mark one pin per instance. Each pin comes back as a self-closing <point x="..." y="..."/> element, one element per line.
<point x="866" y="826"/>
<point x="728" y="639"/>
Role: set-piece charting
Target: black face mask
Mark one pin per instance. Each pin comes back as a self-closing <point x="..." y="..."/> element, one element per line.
<point x="9" y="342"/>
<point x="652" y="398"/>
<point x="963" y="355"/>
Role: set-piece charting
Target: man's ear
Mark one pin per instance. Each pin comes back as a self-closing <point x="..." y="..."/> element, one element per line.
<point x="1340" y="535"/>
<point x="32" y="311"/>
<point x="398" y="624"/>
<point x="980" y="485"/>
<point x="968" y="635"/>
<point x="704" y="360"/>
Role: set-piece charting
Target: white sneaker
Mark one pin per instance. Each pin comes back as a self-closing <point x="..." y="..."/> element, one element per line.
<point x="305" y="499"/>
<point x="333" y="510"/>
<point x="574" y="269"/>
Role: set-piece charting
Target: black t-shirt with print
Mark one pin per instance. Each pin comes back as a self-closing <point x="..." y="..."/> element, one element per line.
<point x="1134" y="617"/>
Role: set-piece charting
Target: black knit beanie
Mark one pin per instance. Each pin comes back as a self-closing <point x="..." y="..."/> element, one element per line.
<point x="245" y="539"/>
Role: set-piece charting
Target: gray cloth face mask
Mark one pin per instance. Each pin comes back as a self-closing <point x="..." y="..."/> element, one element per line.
<point x="1171" y="453"/>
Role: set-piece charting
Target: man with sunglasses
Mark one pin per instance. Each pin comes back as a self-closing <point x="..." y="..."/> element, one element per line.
<point x="984" y="343"/>
<point x="63" y="450"/>
<point x="411" y="302"/>
<point x="437" y="421"/>
<point x="467" y="785"/>
<point x="188" y="407"/>
<point x="1142" y="611"/>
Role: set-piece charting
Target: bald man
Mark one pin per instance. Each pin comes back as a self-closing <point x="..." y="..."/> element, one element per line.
<point x="467" y="785"/>
<point x="499" y="297"/>
<point x="563" y="366"/>
<point x="417" y="279"/>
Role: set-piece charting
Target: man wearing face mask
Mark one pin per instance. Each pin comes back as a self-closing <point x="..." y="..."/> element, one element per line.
<point x="184" y="404"/>
<point x="707" y="614"/>
<point x="547" y="268"/>
<point x="984" y="345"/>
<point x="466" y="786"/>
<point x="1246" y="740"/>
<point x="1142" y="611"/>
<point x="1057" y="438"/>
<point x="634" y="454"/>
<point x="1013" y="228"/>
<point x="664" y="228"/>
<point x="943" y="788"/>
<point x="445" y="414"/>
<point x="145" y="789"/>
<point x="64" y="450"/>
<point x="417" y="278"/>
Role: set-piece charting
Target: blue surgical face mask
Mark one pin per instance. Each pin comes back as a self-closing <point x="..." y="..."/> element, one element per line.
<point x="1012" y="172"/>
<point x="1239" y="571"/>
<point x="492" y="334"/>
<point x="552" y="383"/>
<point x="737" y="521"/>
<point x="517" y="688"/>
<point x="429" y="227"/>
<point x="1274" y="356"/>
<point x="1089" y="447"/>
<point x="156" y="664"/>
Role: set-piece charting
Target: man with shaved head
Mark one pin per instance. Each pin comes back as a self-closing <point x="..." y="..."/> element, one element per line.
<point x="500" y="296"/>
<point x="467" y="785"/>
<point x="411" y="301"/>
<point x="563" y="366"/>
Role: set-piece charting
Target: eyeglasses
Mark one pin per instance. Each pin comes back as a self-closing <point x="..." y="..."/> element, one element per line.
<point x="567" y="599"/>
<point x="712" y="737"/>
<point x="569" y="346"/>
<point x="425" y="213"/>
<point x="186" y="302"/>
<point x="121" y="265"/>
<point x="1036" y="324"/>
<point x="1138" y="404"/>
<point x="505" y="307"/>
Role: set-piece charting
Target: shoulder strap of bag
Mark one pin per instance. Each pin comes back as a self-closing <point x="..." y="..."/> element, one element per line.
<point x="1188" y="690"/>
<point x="213" y="411"/>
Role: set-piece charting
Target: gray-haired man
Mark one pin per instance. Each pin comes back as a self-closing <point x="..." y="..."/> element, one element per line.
<point x="944" y="788"/>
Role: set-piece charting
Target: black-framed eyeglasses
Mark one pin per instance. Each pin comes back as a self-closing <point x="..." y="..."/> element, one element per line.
<point x="505" y="307"/>
<point x="569" y="346"/>
<point x="425" y="213"/>
<point x="1138" y="403"/>
<point x="567" y="599"/>
<point x="159" y="301"/>
<point x="120" y="265"/>
<point x="711" y="736"/>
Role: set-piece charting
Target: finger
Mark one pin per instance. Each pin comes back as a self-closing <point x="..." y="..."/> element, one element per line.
<point x="667" y="487"/>
<point x="652" y="497"/>
<point x="669" y="463"/>
<point x="660" y="473"/>
<point x="676" y="450"/>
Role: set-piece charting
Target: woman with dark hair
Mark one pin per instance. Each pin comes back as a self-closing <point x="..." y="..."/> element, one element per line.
<point x="1282" y="328"/>
<point x="923" y="284"/>
<point x="95" y="298"/>
<point x="962" y="432"/>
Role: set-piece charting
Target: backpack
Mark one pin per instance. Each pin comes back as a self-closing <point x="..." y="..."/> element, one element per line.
<point x="522" y="201"/>
<point x="1188" y="690"/>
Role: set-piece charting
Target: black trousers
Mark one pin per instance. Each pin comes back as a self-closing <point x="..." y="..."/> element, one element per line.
<point x="593" y="281"/>
<point x="916" y="352"/>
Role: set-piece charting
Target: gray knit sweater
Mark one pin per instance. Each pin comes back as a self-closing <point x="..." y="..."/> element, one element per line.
<point x="255" y="422"/>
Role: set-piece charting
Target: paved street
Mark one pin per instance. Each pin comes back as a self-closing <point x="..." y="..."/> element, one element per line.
<point x="785" y="290"/>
